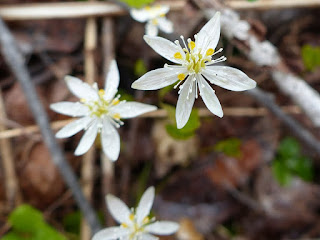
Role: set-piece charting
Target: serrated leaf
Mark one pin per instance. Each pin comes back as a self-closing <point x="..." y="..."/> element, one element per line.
<point x="137" y="3"/>
<point x="230" y="147"/>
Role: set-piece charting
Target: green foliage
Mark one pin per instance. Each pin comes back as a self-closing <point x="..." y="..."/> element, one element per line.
<point x="188" y="130"/>
<point x="140" y="68"/>
<point x="230" y="147"/>
<point x="137" y="3"/>
<point x="28" y="223"/>
<point x="289" y="163"/>
<point x="252" y="0"/>
<point x="72" y="222"/>
<point x="310" y="57"/>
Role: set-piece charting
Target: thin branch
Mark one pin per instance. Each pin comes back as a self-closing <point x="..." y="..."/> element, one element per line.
<point x="161" y="113"/>
<point x="15" y="61"/>
<point x="267" y="4"/>
<point x="37" y="11"/>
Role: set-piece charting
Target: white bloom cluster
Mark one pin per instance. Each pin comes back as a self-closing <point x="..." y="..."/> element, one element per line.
<point x="155" y="16"/>
<point x="100" y="111"/>
<point x="135" y="223"/>
<point x="194" y="69"/>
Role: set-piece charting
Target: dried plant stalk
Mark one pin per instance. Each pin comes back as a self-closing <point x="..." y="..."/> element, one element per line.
<point x="270" y="4"/>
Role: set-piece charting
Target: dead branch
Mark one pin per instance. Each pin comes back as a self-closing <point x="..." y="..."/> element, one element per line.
<point x="267" y="4"/>
<point x="15" y="61"/>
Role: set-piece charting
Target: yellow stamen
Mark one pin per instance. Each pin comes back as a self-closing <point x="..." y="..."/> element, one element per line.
<point x="115" y="101"/>
<point x="181" y="76"/>
<point x="162" y="15"/>
<point x="154" y="21"/>
<point x="101" y="92"/>
<point x="145" y="220"/>
<point x="209" y="52"/>
<point x="131" y="217"/>
<point x="83" y="100"/>
<point x="191" y="45"/>
<point x="124" y="225"/>
<point x="177" y="55"/>
<point x="117" y="116"/>
<point x="148" y="8"/>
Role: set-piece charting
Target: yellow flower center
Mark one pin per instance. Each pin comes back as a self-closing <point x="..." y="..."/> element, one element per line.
<point x="100" y="107"/>
<point x="135" y="227"/>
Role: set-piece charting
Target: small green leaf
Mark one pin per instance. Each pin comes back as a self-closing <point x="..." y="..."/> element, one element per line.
<point x="281" y="173"/>
<point x="140" y="68"/>
<point x="137" y="3"/>
<point x="310" y="57"/>
<point x="230" y="147"/>
<point x="289" y="147"/>
<point x="72" y="222"/>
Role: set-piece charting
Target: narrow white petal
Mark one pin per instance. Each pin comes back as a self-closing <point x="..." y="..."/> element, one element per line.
<point x="145" y="204"/>
<point x="112" y="81"/>
<point x="162" y="228"/>
<point x="165" y="25"/>
<point x="81" y="89"/>
<point x="209" y="35"/>
<point x="132" y="109"/>
<point x="151" y="29"/>
<point x="140" y="15"/>
<point x="147" y="236"/>
<point x="73" y="127"/>
<point x="158" y="78"/>
<point x="185" y="102"/>
<point x="228" y="78"/>
<point x="73" y="109"/>
<point x="164" y="47"/>
<point x="209" y="97"/>
<point x="111" y="233"/>
<point x="87" y="139"/>
<point x="118" y="209"/>
<point x="110" y="140"/>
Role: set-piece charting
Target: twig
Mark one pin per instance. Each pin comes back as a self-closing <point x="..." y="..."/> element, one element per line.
<point x="161" y="113"/>
<point x="14" y="59"/>
<point x="37" y="11"/>
<point x="303" y="134"/>
<point x="268" y="4"/>
<point x="11" y="181"/>
<point x="87" y="171"/>
<point x="108" y="47"/>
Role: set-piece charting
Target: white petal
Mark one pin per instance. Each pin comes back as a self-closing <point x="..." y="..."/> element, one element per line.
<point x="73" y="109"/>
<point x="73" y="127"/>
<point x="140" y="15"/>
<point x="228" y="78"/>
<point x="110" y="140"/>
<point x="151" y="29"/>
<point x="147" y="236"/>
<point x="111" y="233"/>
<point x="132" y="109"/>
<point x="185" y="103"/>
<point x="209" y="97"/>
<point x="112" y="81"/>
<point x="164" y="47"/>
<point x="162" y="228"/>
<point x="87" y="139"/>
<point x="165" y="25"/>
<point x="209" y="35"/>
<point x="118" y="209"/>
<point x="145" y="204"/>
<point x="80" y="88"/>
<point x="158" y="78"/>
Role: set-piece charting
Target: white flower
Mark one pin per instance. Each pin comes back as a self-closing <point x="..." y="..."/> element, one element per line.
<point x="99" y="111"/>
<point x="194" y="70"/>
<point x="155" y="18"/>
<point x="135" y="223"/>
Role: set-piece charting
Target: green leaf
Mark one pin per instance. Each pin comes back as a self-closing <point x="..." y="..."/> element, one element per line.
<point x="252" y="0"/>
<point x="72" y="222"/>
<point x="140" y="68"/>
<point x="230" y="147"/>
<point x="281" y="173"/>
<point x="288" y="148"/>
<point x="188" y="130"/>
<point x="310" y="57"/>
<point x="28" y="224"/>
<point x="137" y="3"/>
<point x="304" y="168"/>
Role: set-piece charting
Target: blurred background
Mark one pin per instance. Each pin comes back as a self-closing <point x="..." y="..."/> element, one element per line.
<point x="248" y="175"/>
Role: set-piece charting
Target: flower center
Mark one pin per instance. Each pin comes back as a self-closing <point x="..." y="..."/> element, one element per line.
<point x="135" y="227"/>
<point x="193" y="59"/>
<point x="101" y="106"/>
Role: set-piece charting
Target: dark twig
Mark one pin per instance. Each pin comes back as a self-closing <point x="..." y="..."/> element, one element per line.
<point x="297" y="129"/>
<point x="15" y="61"/>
